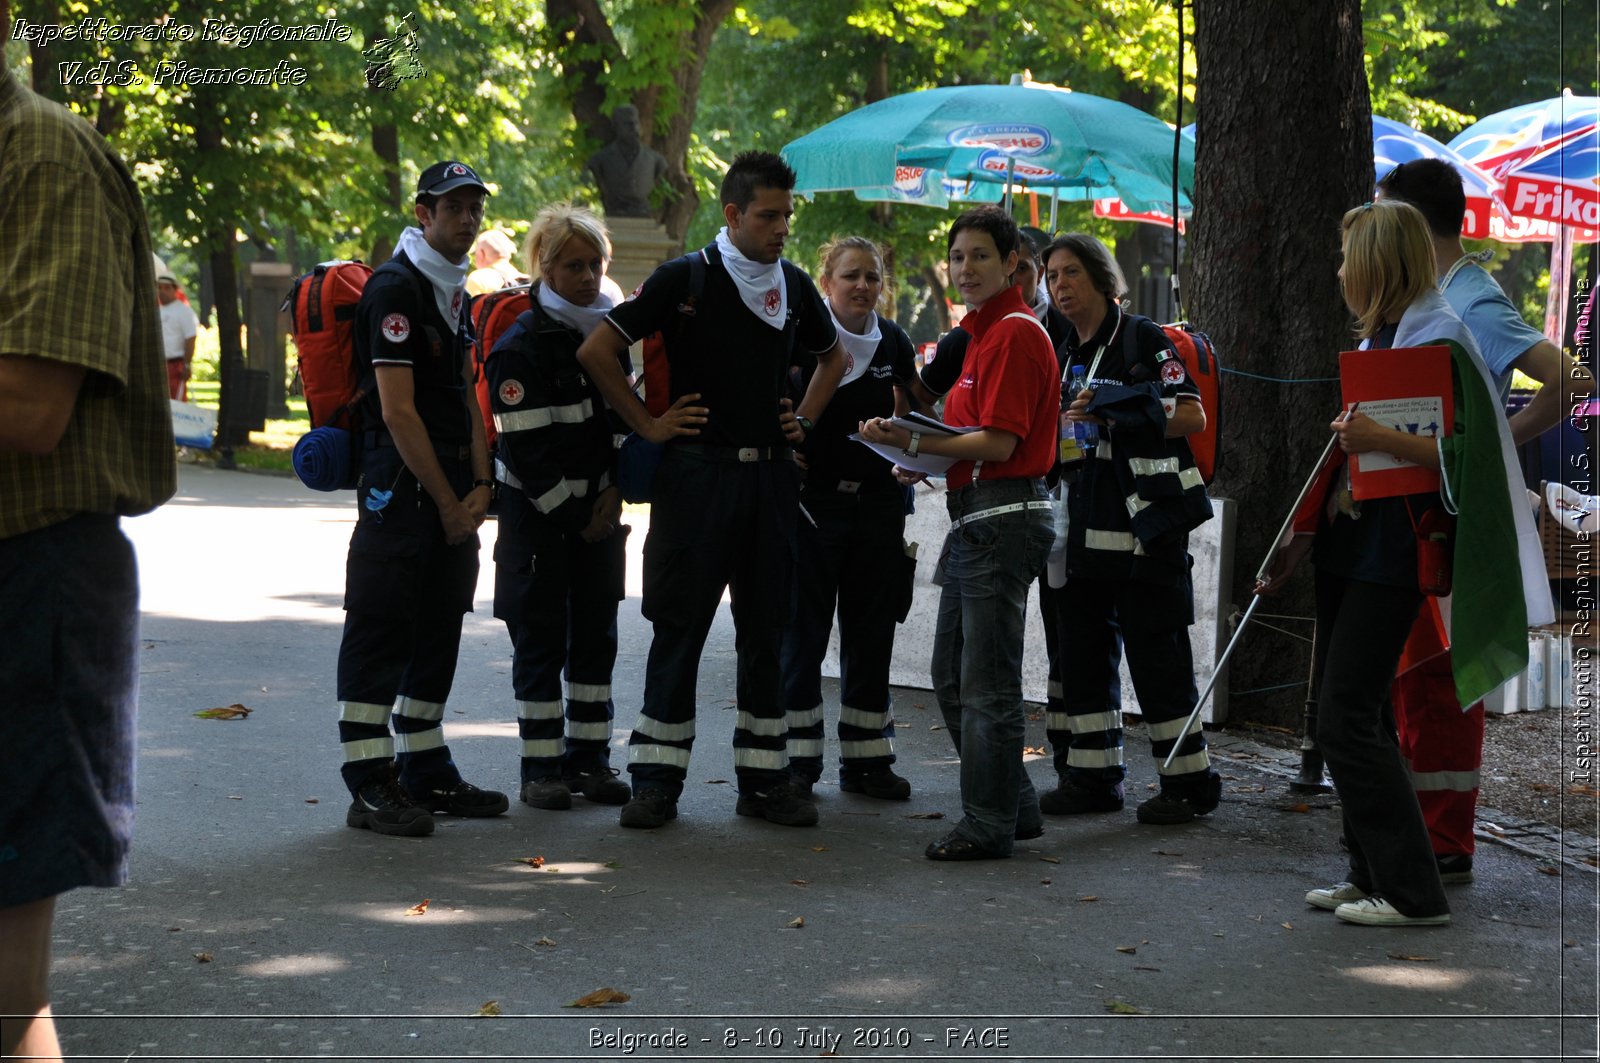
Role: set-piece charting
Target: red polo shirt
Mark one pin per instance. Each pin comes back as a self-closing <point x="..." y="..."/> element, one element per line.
<point x="1008" y="381"/>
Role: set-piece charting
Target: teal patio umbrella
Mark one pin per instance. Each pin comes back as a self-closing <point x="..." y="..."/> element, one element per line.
<point x="912" y="146"/>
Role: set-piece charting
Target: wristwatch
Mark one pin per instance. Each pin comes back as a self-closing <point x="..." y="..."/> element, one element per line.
<point x="911" y="447"/>
<point x="805" y="423"/>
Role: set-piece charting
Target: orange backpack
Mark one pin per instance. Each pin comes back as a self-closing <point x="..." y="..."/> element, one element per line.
<point x="492" y="314"/>
<point x="1199" y="358"/>
<point x="322" y="311"/>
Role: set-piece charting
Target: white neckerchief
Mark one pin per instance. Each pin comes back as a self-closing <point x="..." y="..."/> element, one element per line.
<point x="1041" y="304"/>
<point x="760" y="286"/>
<point x="582" y="318"/>
<point x="858" y="349"/>
<point x="449" y="279"/>
<point x="1480" y="257"/>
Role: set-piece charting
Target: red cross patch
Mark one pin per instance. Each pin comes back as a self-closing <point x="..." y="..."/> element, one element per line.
<point x="396" y="328"/>
<point x="849" y="363"/>
<point x="455" y="303"/>
<point x="511" y="392"/>
<point x="456" y="169"/>
<point x="772" y="300"/>
<point x="1172" y="371"/>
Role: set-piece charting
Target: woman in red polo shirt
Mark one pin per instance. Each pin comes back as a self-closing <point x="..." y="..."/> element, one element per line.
<point x="1000" y="531"/>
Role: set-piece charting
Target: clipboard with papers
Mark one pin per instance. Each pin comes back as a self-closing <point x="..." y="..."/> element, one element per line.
<point x="931" y="464"/>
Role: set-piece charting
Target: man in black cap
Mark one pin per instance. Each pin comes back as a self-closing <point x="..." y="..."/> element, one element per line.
<point x="423" y="492"/>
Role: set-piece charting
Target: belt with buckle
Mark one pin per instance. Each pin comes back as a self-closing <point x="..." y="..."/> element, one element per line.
<point x="739" y="454"/>
<point x="995" y="511"/>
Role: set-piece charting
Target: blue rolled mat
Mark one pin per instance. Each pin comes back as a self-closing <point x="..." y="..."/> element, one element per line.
<point x="322" y="460"/>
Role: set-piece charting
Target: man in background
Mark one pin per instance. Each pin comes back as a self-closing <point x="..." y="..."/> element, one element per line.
<point x="85" y="438"/>
<point x="492" y="265"/>
<point x="179" y="327"/>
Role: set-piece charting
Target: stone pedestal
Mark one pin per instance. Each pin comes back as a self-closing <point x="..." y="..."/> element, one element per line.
<point x="638" y="246"/>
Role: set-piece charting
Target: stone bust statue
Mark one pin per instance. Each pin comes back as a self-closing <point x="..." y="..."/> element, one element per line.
<point x="625" y="170"/>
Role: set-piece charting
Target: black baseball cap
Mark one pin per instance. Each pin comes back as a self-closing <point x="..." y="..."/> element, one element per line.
<point x="442" y="177"/>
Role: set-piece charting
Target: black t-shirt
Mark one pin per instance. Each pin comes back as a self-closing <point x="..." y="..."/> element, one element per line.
<point x="737" y="363"/>
<point x="398" y="324"/>
<point x="830" y="452"/>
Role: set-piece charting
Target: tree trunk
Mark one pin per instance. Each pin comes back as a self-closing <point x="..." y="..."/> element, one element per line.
<point x="1284" y="148"/>
<point x="386" y="145"/>
<point x="219" y="249"/>
<point x="680" y="210"/>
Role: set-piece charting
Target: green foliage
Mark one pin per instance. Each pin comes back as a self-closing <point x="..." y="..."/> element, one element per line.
<point x="294" y="167"/>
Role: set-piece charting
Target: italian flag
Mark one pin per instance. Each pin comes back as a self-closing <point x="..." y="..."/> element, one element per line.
<point x="1499" y="586"/>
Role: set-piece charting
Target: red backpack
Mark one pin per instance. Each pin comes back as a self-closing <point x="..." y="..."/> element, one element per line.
<point x="322" y="313"/>
<point x="493" y="313"/>
<point x="1199" y="358"/>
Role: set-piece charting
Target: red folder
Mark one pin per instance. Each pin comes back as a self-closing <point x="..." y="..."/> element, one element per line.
<point x="1406" y="388"/>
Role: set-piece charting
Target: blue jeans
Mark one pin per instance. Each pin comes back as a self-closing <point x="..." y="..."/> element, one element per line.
<point x="987" y="565"/>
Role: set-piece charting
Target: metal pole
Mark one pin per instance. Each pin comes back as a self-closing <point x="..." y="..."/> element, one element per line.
<point x="1205" y="694"/>
<point x="1011" y="169"/>
<point x="1310" y="781"/>
<point x="1055" y="200"/>
<point x="1255" y="599"/>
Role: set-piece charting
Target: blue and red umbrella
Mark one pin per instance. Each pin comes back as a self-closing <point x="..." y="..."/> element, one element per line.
<point x="1546" y="158"/>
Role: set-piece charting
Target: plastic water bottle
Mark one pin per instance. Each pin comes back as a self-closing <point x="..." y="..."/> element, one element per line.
<point x="1088" y="434"/>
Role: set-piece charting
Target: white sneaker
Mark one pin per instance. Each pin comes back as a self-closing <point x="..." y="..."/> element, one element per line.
<point x="1375" y="911"/>
<point x="1330" y="897"/>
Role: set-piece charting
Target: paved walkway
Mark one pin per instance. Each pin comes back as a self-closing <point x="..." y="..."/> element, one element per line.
<point x="258" y="926"/>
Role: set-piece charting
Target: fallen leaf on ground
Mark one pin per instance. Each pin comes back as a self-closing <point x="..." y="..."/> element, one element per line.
<point x="918" y="705"/>
<point x="235" y="797"/>
<point x="600" y="997"/>
<point x="420" y="908"/>
<point x="546" y="942"/>
<point x="796" y="923"/>
<point x="174" y="929"/>
<point x="202" y="957"/>
<point x="224" y="712"/>
<point x="1118" y="1007"/>
<point x="1287" y="926"/>
<point x="716" y="782"/>
<point x="1129" y="949"/>
<point x="1141" y="967"/>
<point x="489" y="1010"/>
<point x="1044" y="882"/>
<point x="1411" y="959"/>
<point x="612" y="864"/>
<point x="798" y="882"/>
<point x="532" y="861"/>
<point x="1548" y="869"/>
<point x="312" y="801"/>
<point x="925" y="815"/>
<point x="1299" y="808"/>
<point x="1037" y="751"/>
<point x="1089" y="898"/>
<point x="936" y="727"/>
<point x="1163" y="852"/>
<point x="819" y="848"/>
<point x="1586" y="791"/>
<point x="1051" y="859"/>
